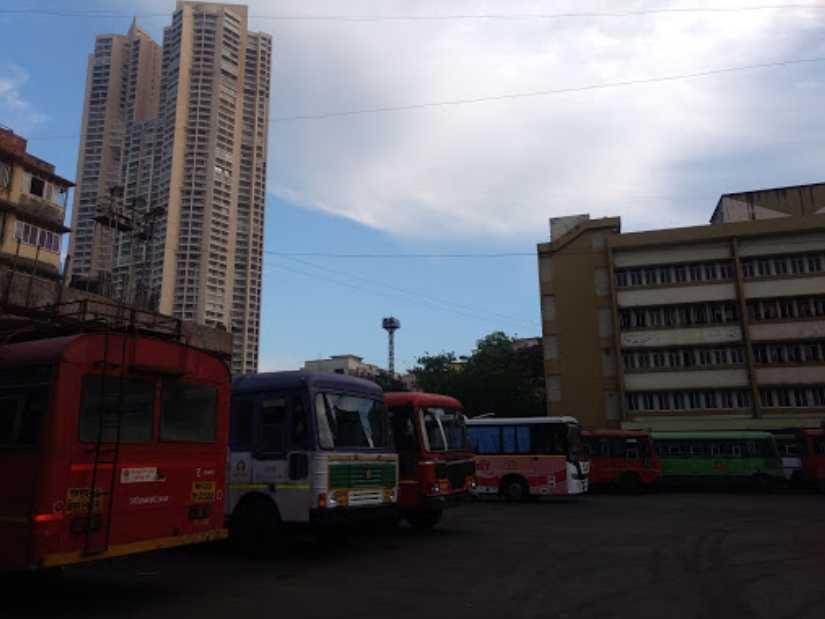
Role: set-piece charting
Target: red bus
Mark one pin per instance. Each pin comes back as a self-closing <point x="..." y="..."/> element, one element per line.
<point x="109" y="445"/>
<point x="436" y="467"/>
<point x="813" y="457"/>
<point x="522" y="456"/>
<point x="622" y="459"/>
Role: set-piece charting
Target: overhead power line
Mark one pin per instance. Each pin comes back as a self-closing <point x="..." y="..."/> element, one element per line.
<point x="517" y="95"/>
<point x="412" y="293"/>
<point x="548" y="92"/>
<point x="318" y="254"/>
<point x="378" y="291"/>
<point x="411" y="17"/>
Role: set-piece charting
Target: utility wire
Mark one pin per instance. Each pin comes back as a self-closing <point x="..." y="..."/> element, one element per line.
<point x="395" y="297"/>
<point x="520" y="95"/>
<point x="412" y="293"/>
<point x="545" y="93"/>
<point x="318" y="254"/>
<point x="434" y="17"/>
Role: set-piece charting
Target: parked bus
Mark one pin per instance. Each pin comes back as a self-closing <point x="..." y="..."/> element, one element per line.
<point x="812" y="449"/>
<point x="109" y="445"/>
<point x="436" y="466"/>
<point x="524" y="456"/>
<point x="622" y="459"/>
<point x="790" y="445"/>
<point x="307" y="448"/>
<point x="719" y="456"/>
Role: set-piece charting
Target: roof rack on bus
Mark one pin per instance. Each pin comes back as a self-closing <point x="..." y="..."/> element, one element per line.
<point x="19" y="323"/>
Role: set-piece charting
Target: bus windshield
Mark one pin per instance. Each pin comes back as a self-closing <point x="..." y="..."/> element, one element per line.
<point x="444" y="429"/>
<point x="350" y="422"/>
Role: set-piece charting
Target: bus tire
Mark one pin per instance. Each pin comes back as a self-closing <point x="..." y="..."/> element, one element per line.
<point x="514" y="488"/>
<point x="254" y="526"/>
<point x="630" y="482"/>
<point x="424" y="520"/>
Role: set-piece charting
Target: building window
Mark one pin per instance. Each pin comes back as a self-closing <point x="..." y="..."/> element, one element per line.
<point x="29" y="234"/>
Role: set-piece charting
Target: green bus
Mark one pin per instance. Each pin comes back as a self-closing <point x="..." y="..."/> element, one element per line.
<point x="718" y="456"/>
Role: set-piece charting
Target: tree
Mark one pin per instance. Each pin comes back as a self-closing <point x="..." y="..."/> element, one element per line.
<point x="388" y="382"/>
<point x="497" y="378"/>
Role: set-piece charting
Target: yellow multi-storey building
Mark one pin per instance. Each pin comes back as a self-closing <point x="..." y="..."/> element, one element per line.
<point x="32" y="208"/>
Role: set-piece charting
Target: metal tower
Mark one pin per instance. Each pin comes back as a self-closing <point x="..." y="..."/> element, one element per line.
<point x="391" y="325"/>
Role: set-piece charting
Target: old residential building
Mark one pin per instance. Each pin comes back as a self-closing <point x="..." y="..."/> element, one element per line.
<point x="32" y="208"/>
<point x="184" y="134"/>
<point x="705" y="327"/>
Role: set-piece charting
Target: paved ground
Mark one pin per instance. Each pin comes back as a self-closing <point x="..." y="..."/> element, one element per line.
<point x="661" y="555"/>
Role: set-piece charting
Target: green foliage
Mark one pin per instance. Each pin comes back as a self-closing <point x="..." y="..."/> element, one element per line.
<point x="388" y="382"/>
<point x="496" y="378"/>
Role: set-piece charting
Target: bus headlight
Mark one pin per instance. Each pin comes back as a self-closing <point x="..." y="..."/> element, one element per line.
<point x="435" y="489"/>
<point x="332" y="499"/>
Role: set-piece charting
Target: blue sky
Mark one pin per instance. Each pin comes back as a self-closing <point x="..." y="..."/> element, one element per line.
<point x="480" y="178"/>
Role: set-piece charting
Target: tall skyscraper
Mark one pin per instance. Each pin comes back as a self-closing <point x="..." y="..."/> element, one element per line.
<point x="193" y="177"/>
<point x="122" y="86"/>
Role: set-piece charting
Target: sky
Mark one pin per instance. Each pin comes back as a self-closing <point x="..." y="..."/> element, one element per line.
<point x="475" y="178"/>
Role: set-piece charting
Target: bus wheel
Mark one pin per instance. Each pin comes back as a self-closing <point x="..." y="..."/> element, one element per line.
<point x="630" y="482"/>
<point x="424" y="520"/>
<point x="514" y="488"/>
<point x="254" y="527"/>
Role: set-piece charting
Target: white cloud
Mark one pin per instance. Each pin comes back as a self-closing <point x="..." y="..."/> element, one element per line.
<point x="15" y="110"/>
<point x="498" y="170"/>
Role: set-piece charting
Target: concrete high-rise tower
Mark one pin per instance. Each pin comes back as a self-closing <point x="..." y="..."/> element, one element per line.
<point x="194" y="178"/>
<point x="122" y="86"/>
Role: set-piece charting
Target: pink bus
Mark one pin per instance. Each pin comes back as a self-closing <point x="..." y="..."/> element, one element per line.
<point x="528" y="456"/>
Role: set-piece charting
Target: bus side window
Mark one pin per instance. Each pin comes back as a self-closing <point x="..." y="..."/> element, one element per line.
<point x="272" y="418"/>
<point x="20" y="418"/>
<point x="736" y="450"/>
<point x="631" y="451"/>
<point x="508" y="439"/>
<point x="241" y="428"/>
<point x="299" y="423"/>
<point x="486" y="439"/>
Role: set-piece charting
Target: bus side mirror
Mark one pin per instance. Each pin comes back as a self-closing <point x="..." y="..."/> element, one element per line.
<point x="298" y="466"/>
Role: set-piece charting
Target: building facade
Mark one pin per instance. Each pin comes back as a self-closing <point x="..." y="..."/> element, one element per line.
<point x="719" y="326"/>
<point x="351" y="365"/>
<point x="32" y="209"/>
<point x="186" y="225"/>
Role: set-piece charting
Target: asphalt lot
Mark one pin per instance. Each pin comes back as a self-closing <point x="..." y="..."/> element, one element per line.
<point x="660" y="555"/>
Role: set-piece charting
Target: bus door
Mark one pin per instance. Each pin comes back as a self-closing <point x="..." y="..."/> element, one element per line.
<point x="24" y="401"/>
<point x="281" y="455"/>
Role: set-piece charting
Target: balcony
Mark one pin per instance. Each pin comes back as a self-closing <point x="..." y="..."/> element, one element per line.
<point x="41" y="209"/>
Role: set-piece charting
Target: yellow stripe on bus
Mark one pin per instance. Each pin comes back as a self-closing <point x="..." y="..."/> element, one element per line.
<point x="69" y="558"/>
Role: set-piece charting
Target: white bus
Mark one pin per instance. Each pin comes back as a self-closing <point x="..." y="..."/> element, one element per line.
<point x="521" y="456"/>
<point x="306" y="448"/>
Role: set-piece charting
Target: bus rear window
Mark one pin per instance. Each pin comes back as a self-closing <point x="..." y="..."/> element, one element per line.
<point x="133" y="399"/>
<point x="188" y="412"/>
